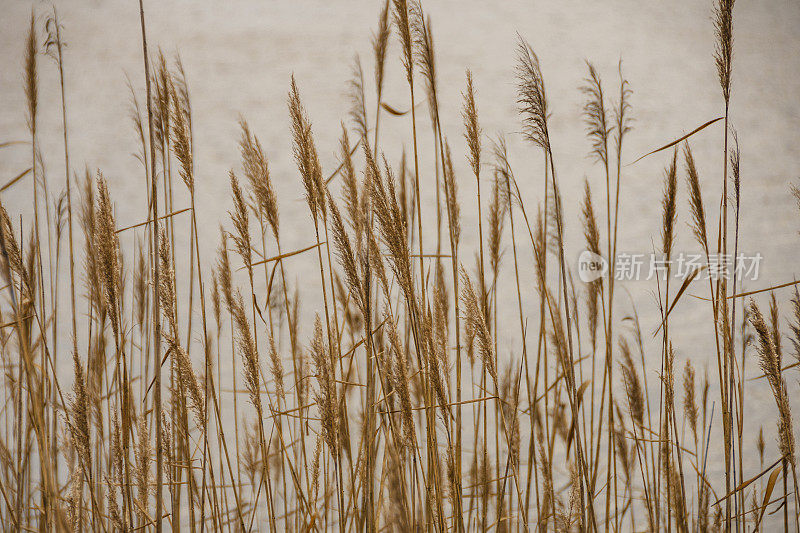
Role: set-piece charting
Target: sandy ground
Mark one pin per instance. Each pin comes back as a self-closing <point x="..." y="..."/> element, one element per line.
<point x="239" y="56"/>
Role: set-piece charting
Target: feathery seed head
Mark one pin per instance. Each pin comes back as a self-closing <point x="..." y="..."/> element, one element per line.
<point x="473" y="129"/>
<point x="531" y="97"/>
<point x="595" y="115"/>
<point x="669" y="211"/>
<point x="723" y="52"/>
<point x="256" y="169"/>
<point x="305" y="154"/>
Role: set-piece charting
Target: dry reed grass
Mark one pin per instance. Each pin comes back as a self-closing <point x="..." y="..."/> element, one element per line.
<point x="398" y="410"/>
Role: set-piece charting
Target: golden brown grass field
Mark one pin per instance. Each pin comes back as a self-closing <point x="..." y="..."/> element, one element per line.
<point x="407" y="321"/>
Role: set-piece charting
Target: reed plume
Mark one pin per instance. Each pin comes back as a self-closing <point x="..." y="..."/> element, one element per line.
<point x="695" y="199"/>
<point x="358" y="106"/>
<point x="248" y="351"/>
<point x="305" y="153"/>
<point x="590" y="231"/>
<point x="106" y="244"/>
<point x="181" y="131"/>
<point x="476" y="322"/>
<point x="633" y="387"/>
<point x="276" y="367"/>
<point x="795" y="325"/>
<point x="723" y="52"/>
<point x="401" y="21"/>
<point x="595" y="115"/>
<point x="256" y="169"/>
<point x="769" y="362"/>
<point x="451" y="196"/>
<point x="380" y="43"/>
<point x="689" y="402"/>
<point x="11" y="250"/>
<point x="669" y="207"/>
<point x="425" y="55"/>
<point x="498" y="209"/>
<point x="531" y="98"/>
<point x="326" y="396"/>
<point x="347" y="258"/>
<point x="31" y="75"/>
<point x="241" y="224"/>
<point x="79" y="415"/>
<point x="352" y="198"/>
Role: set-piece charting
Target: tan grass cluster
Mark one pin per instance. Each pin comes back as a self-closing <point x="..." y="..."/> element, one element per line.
<point x="408" y="404"/>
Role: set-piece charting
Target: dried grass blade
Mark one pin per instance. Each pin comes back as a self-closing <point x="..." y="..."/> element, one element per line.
<point x="12" y="143"/>
<point x="677" y="141"/>
<point x="743" y="485"/>
<point x="767" y="493"/>
<point x="683" y="288"/>
<point x="339" y="168"/>
<point x="287" y="254"/>
<point x="162" y="217"/>
<point x="16" y="179"/>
